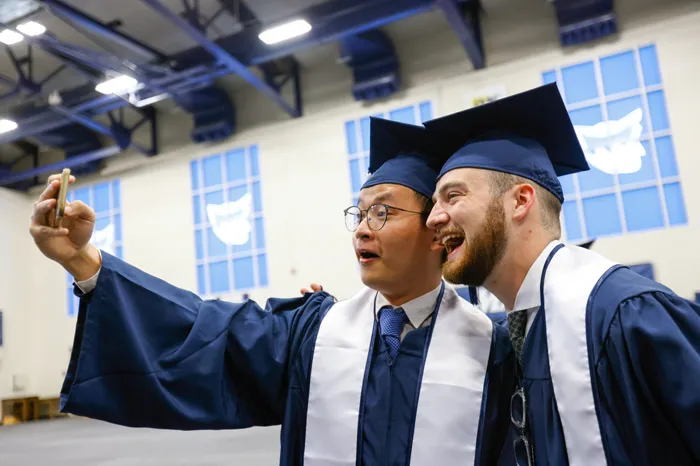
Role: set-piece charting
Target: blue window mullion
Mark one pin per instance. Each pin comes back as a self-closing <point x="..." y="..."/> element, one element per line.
<point x="577" y="186"/>
<point x="253" y="229"/>
<point x="226" y="181"/>
<point x="205" y="221"/>
<point x="360" y="152"/>
<point x="652" y="140"/>
<point x="616" y="177"/>
<point x="579" y="207"/>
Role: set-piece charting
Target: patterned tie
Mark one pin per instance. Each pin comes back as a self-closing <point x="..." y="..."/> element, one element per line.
<point x="517" y="322"/>
<point x="391" y="323"/>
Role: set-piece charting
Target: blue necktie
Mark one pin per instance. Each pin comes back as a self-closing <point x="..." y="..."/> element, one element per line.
<point x="391" y="323"/>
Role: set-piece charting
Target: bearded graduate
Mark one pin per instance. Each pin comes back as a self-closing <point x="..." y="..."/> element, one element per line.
<point x="608" y="360"/>
<point x="404" y="372"/>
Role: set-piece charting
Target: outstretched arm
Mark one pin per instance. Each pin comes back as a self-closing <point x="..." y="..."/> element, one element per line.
<point x="149" y="354"/>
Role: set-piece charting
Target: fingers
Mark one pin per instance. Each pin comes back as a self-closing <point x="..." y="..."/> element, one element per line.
<point x="50" y="191"/>
<point x="313" y="288"/>
<point x="78" y="209"/>
<point x="52" y="187"/>
<point x="55" y="177"/>
<point x="41" y="233"/>
<point x="41" y="212"/>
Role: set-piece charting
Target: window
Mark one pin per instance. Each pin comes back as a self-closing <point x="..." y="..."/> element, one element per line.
<point x="105" y="199"/>
<point x="357" y="139"/>
<point x="618" y="107"/>
<point x="228" y="222"/>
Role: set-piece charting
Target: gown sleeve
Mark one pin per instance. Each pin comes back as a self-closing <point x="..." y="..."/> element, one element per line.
<point x="653" y="351"/>
<point x="148" y="354"/>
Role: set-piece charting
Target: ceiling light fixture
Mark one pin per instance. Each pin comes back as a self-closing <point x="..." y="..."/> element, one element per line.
<point x="10" y="37"/>
<point x="285" y="31"/>
<point x="31" y="28"/>
<point x="118" y="85"/>
<point x="7" y="126"/>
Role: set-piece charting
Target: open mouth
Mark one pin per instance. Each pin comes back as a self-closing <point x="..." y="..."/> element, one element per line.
<point x="453" y="243"/>
<point x="365" y="256"/>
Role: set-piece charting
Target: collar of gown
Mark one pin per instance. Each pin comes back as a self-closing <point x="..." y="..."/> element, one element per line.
<point x="417" y="310"/>
<point x="528" y="296"/>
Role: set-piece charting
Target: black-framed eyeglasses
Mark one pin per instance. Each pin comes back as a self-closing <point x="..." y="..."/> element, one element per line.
<point x="376" y="216"/>
<point x="518" y="416"/>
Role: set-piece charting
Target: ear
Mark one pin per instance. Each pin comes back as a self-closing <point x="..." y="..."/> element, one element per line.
<point x="522" y="200"/>
<point x="435" y="244"/>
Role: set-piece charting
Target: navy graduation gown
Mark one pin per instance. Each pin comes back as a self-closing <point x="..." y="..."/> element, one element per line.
<point x="644" y="357"/>
<point x="147" y="354"/>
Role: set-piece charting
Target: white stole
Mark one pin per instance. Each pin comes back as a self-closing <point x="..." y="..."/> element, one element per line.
<point x="448" y="415"/>
<point x="569" y="280"/>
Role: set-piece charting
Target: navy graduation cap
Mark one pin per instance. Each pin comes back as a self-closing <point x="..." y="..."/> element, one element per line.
<point x="528" y="134"/>
<point x="398" y="154"/>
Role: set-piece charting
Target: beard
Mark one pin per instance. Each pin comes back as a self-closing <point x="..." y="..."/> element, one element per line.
<point x="482" y="251"/>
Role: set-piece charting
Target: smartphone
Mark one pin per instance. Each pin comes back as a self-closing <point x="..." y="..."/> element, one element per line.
<point x="61" y="198"/>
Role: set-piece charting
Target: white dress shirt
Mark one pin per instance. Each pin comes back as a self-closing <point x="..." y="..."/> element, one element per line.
<point x="528" y="296"/>
<point x="418" y="310"/>
<point x="88" y="285"/>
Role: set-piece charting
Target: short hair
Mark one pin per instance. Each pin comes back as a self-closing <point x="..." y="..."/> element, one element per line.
<point x="426" y="206"/>
<point x="550" y="207"/>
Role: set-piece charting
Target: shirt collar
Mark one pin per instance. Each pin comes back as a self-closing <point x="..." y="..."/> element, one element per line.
<point x="529" y="293"/>
<point x="417" y="310"/>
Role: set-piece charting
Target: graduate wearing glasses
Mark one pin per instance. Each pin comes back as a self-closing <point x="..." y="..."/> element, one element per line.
<point x="404" y="372"/>
<point x="608" y="360"/>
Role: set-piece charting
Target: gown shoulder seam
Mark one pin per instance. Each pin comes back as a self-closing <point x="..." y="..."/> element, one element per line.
<point x="616" y="315"/>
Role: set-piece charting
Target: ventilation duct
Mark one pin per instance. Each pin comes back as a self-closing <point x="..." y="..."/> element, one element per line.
<point x="374" y="64"/>
<point x="582" y="21"/>
<point x="213" y="112"/>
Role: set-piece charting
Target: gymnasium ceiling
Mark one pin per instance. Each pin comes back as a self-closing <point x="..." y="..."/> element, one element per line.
<point x="192" y="53"/>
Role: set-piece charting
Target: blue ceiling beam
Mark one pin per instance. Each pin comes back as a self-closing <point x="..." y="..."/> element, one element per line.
<point x="7" y="82"/>
<point x="86" y="100"/>
<point x="76" y="17"/>
<point x="330" y="22"/>
<point x="80" y="60"/>
<point x="58" y="166"/>
<point x="25" y="81"/>
<point x="469" y="34"/>
<point x="223" y="56"/>
<point x="195" y="68"/>
<point x="98" y="61"/>
<point x="92" y="64"/>
<point x="244" y="15"/>
<point x="102" y="129"/>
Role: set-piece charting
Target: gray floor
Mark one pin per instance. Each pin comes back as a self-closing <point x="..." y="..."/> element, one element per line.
<point x="82" y="442"/>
